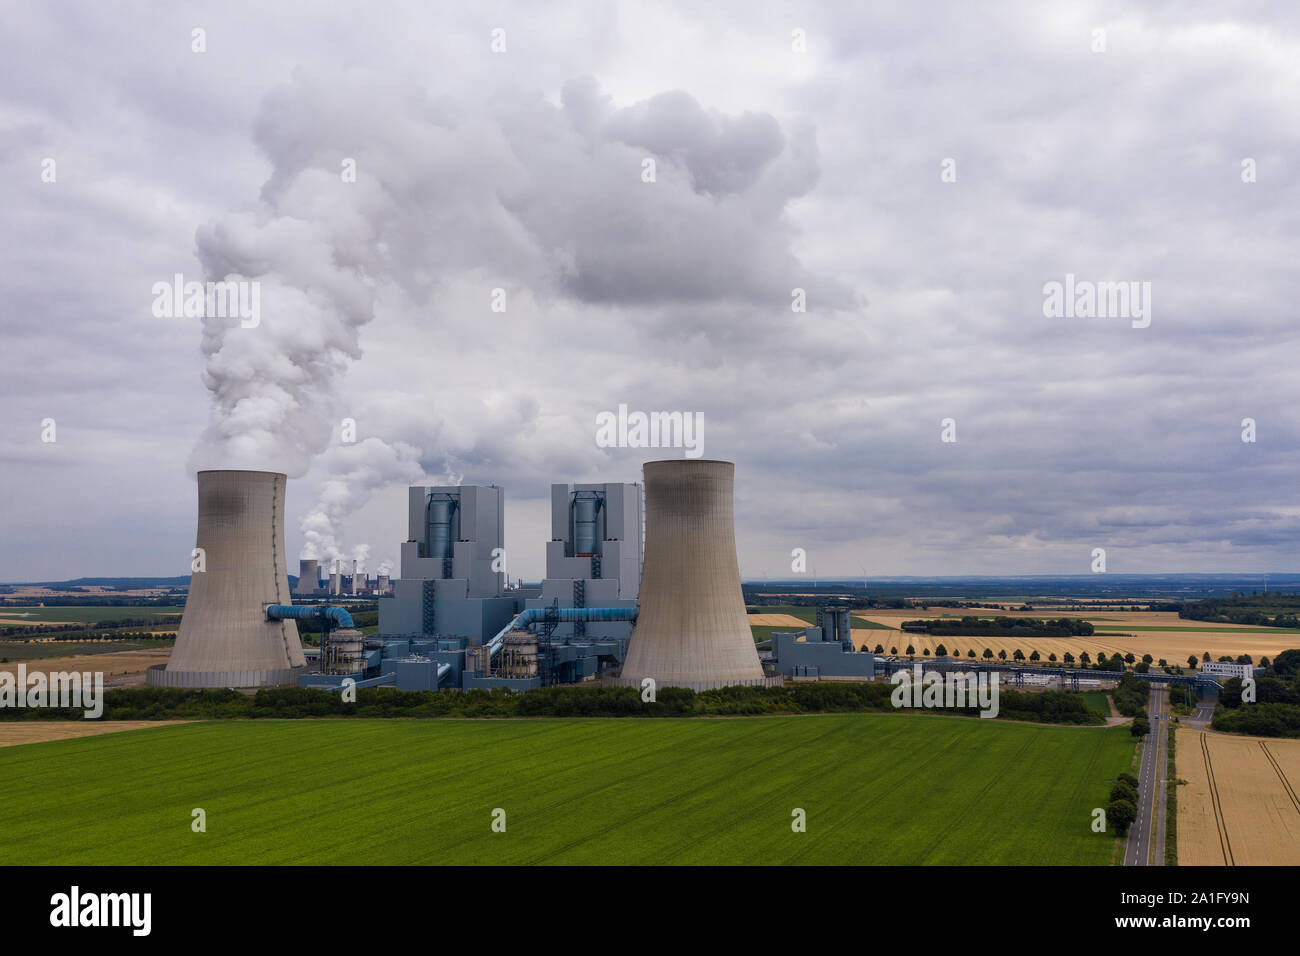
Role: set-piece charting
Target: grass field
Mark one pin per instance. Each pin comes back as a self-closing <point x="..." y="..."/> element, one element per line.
<point x="1096" y="701"/>
<point x="876" y="789"/>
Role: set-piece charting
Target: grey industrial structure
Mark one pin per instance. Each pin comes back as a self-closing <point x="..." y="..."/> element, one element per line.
<point x="611" y="607"/>
<point x="821" y="652"/>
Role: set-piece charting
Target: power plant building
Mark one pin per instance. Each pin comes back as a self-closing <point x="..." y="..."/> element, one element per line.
<point x="449" y="585"/>
<point x="594" y="556"/>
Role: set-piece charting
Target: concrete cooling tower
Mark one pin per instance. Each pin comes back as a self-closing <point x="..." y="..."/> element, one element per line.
<point x="691" y="629"/>
<point x="225" y="639"/>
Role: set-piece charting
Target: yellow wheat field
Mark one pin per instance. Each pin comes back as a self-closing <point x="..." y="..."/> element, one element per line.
<point x="777" y="620"/>
<point x="1173" y="646"/>
<point x="1240" y="805"/>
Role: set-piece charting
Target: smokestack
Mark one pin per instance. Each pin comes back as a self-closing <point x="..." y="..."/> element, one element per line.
<point x="336" y="582"/>
<point x="308" y="577"/>
<point x="691" y="629"/>
<point x="225" y="639"/>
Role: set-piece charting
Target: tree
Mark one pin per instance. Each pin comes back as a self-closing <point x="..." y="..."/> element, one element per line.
<point x="1206" y="657"/>
<point x="879" y="649"/>
<point x="1019" y="654"/>
<point x="1068" y="658"/>
<point x="1033" y="656"/>
<point x="911" y="651"/>
<point x="1141" y="727"/>
<point x="1120" y="814"/>
<point x="941" y="651"/>
<point x="893" y="651"/>
<point x="1123" y="790"/>
<point x="1084" y="658"/>
<point x="1129" y="658"/>
<point x="971" y="653"/>
<point x="1148" y="659"/>
<point x="1051" y="658"/>
<point x="1129" y="778"/>
<point x="1191" y="661"/>
<point x="1002" y="654"/>
<point x="988" y="654"/>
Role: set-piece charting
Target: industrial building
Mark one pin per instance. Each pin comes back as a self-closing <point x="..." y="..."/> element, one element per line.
<point x="824" y="652"/>
<point x="610" y="607"/>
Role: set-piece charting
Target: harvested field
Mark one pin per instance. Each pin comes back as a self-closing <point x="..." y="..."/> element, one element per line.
<point x="778" y="620"/>
<point x="1185" y="638"/>
<point x="116" y="662"/>
<point x="1240" y="806"/>
<point x="16" y="732"/>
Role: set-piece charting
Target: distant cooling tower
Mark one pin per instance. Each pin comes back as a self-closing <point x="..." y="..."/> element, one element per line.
<point x="308" y="576"/>
<point x="225" y="639"/>
<point x="691" y="629"/>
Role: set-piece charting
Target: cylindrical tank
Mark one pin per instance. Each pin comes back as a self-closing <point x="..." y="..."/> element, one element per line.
<point x="225" y="639"/>
<point x="345" y="652"/>
<point x="440" y="510"/>
<point x="308" y="576"/>
<point x="584" y="524"/>
<point x="844" y="626"/>
<point x="691" y="626"/>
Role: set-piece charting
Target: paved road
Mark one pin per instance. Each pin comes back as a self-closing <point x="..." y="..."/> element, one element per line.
<point x="1148" y="833"/>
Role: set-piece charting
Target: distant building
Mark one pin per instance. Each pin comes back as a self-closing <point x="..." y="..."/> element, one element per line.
<point x="1224" y="669"/>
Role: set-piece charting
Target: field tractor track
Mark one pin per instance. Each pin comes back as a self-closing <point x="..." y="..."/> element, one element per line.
<point x="1277" y="767"/>
<point x="1220" y="820"/>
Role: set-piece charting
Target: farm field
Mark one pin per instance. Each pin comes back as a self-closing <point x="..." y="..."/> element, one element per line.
<point x="15" y="732"/>
<point x="1183" y="638"/>
<point x="778" y="621"/>
<point x="20" y="651"/>
<point x="109" y="663"/>
<point x="875" y="788"/>
<point x="1255" y="820"/>
<point x="86" y="614"/>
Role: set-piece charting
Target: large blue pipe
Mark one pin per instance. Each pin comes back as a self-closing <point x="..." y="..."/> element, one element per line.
<point x="336" y="616"/>
<point x="564" y="615"/>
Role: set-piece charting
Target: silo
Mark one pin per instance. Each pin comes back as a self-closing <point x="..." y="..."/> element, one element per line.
<point x="225" y="639"/>
<point x="691" y="627"/>
<point x="308" y="576"/>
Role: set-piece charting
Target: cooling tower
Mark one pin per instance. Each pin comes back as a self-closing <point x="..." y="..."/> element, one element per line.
<point x="691" y="629"/>
<point x="225" y="639"/>
<point x="308" y="576"/>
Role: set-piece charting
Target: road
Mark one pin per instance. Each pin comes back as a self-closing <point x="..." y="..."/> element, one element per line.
<point x="1146" y="837"/>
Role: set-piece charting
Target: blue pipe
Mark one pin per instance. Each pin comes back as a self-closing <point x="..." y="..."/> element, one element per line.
<point x="336" y="616"/>
<point x="564" y="615"/>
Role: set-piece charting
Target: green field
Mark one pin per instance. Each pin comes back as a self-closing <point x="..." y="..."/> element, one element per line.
<point x="1096" y="701"/>
<point x="876" y="789"/>
<point x="83" y="614"/>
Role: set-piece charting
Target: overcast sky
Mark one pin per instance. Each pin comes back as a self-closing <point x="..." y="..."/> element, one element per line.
<point x="776" y="168"/>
